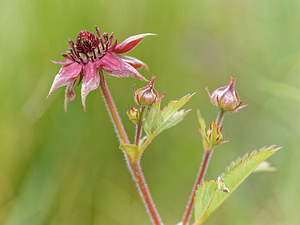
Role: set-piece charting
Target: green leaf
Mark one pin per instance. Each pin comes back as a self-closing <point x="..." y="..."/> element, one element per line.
<point x="201" y="122"/>
<point x="152" y="118"/>
<point x="158" y="120"/>
<point x="203" y="197"/>
<point x="233" y="176"/>
<point x="131" y="150"/>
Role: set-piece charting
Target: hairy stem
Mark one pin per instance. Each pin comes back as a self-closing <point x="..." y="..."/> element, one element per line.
<point x="145" y="194"/>
<point x="134" y="167"/>
<point x="204" y="164"/>
<point x="201" y="173"/>
<point x="116" y="120"/>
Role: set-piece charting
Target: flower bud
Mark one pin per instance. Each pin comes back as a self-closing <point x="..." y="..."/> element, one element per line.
<point x="146" y="96"/>
<point x="133" y="113"/>
<point x="226" y="98"/>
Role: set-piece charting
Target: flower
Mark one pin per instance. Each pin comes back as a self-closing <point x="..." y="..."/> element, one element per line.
<point x="146" y="96"/>
<point x="226" y="98"/>
<point x="91" y="53"/>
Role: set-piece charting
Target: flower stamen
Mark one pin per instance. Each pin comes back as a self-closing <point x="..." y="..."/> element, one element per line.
<point x="85" y="42"/>
<point x="74" y="50"/>
<point x="98" y="32"/>
<point x="91" y="54"/>
<point x="111" y="38"/>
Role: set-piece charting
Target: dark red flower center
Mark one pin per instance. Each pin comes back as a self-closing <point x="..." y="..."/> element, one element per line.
<point x="89" y="47"/>
<point x="86" y="42"/>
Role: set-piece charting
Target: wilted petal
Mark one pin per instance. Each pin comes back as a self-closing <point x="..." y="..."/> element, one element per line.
<point x="69" y="94"/>
<point x="129" y="43"/>
<point x="90" y="82"/>
<point x="136" y="63"/>
<point x="114" y="66"/>
<point x="65" y="76"/>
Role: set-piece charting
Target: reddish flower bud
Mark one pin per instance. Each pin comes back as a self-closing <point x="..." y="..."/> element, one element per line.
<point x="226" y="97"/>
<point x="133" y="113"/>
<point x="146" y="96"/>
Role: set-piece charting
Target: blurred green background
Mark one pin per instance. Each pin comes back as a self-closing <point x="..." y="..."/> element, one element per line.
<point x="66" y="169"/>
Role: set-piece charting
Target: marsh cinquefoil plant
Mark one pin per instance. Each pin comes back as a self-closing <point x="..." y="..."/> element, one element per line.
<point x="91" y="55"/>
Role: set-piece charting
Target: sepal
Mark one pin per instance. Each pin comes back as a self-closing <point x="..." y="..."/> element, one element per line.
<point x="211" y="137"/>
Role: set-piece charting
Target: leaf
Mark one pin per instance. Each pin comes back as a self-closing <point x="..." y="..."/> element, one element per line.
<point x="201" y="121"/>
<point x="203" y="197"/>
<point x="265" y="167"/>
<point x="158" y="120"/>
<point x="131" y="150"/>
<point x="233" y="176"/>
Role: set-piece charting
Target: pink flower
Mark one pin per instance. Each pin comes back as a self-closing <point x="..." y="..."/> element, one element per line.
<point x="91" y="53"/>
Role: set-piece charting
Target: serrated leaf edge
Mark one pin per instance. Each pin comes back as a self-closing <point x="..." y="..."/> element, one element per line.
<point x="241" y="159"/>
<point x="212" y="197"/>
<point x="186" y="97"/>
<point x="245" y="156"/>
<point x="158" y="103"/>
<point x="229" y="169"/>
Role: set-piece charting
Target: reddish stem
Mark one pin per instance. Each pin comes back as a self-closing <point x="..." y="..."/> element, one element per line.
<point x="113" y="111"/>
<point x="201" y="173"/>
<point x="204" y="164"/>
<point x="145" y="194"/>
<point x="134" y="167"/>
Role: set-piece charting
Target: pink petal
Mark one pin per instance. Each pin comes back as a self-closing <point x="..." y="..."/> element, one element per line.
<point x="90" y="82"/>
<point x="65" y="76"/>
<point x="69" y="60"/>
<point x="69" y="94"/>
<point x="114" y="66"/>
<point x="63" y="63"/>
<point x="129" y="43"/>
<point x="136" y="63"/>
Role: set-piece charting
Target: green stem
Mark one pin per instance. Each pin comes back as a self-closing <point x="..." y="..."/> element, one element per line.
<point x="134" y="167"/>
<point x="204" y="164"/>
<point x="145" y="144"/>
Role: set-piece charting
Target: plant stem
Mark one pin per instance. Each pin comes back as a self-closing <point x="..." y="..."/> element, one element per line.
<point x="116" y="120"/>
<point x="146" y="143"/>
<point x="201" y="173"/>
<point x="220" y="118"/>
<point x="134" y="167"/>
<point x="145" y="194"/>
<point x="139" y="127"/>
<point x="204" y="164"/>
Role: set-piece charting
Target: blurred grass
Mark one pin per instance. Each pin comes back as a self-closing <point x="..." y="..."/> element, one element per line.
<point x="67" y="169"/>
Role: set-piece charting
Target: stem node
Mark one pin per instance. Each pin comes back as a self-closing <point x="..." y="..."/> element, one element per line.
<point x="133" y="165"/>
